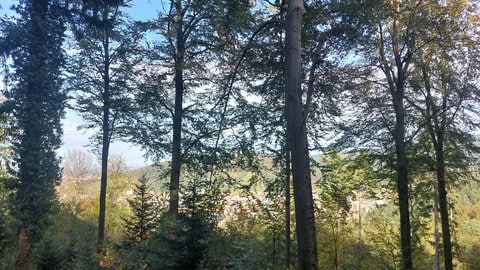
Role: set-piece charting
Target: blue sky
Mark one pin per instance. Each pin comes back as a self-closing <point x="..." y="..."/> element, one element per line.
<point x="146" y="9"/>
<point x="140" y="9"/>
<point x="79" y="139"/>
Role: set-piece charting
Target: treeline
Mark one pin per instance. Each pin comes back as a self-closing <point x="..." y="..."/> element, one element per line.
<point x="246" y="231"/>
<point x="217" y="87"/>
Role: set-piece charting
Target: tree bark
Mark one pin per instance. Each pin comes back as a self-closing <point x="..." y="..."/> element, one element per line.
<point x="442" y="200"/>
<point x="288" y="240"/>
<point x="402" y="182"/>
<point x="438" y="143"/>
<point x="436" y="123"/>
<point x="396" y="76"/>
<point x="24" y="260"/>
<point x="440" y="130"/>
<point x="178" y="113"/>
<point x="297" y="135"/>
<point x="103" y="182"/>
<point x="105" y="139"/>
<point x="403" y="202"/>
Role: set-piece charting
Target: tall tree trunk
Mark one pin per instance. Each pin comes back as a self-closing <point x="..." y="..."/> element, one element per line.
<point x="442" y="198"/>
<point x="398" y="97"/>
<point x="397" y="92"/>
<point x="178" y="113"/>
<point x="402" y="185"/>
<point x="288" y="175"/>
<point x="436" y="123"/>
<point x="105" y="139"/>
<point x="297" y="135"/>
<point x="440" y="129"/>
<point x="396" y="83"/>
<point x="103" y="182"/>
<point x="442" y="194"/>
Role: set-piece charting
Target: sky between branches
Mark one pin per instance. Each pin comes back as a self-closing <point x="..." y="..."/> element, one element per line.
<point x="74" y="138"/>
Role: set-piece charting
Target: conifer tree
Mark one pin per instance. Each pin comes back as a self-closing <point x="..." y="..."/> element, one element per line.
<point x="5" y="225"/>
<point x="143" y="221"/>
<point x="36" y="104"/>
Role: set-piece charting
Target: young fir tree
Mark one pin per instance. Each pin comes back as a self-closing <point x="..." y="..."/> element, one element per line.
<point x="36" y="104"/>
<point x="144" y="219"/>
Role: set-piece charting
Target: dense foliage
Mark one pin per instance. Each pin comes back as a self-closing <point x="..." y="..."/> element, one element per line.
<point x="35" y="105"/>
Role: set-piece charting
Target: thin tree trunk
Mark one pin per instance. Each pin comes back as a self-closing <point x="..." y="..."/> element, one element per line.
<point x="297" y="135"/>
<point x="435" y="231"/>
<point x="396" y="84"/>
<point x="178" y="113"/>
<point x="359" y="233"/>
<point x="360" y="245"/>
<point x="440" y="156"/>
<point x="336" y="236"/>
<point x="436" y="126"/>
<point x="105" y="140"/>
<point x="103" y="185"/>
<point x="442" y="199"/>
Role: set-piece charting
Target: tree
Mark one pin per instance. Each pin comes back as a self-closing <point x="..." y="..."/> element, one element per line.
<point x="187" y="250"/>
<point x="183" y="100"/>
<point x="297" y="137"/>
<point x="157" y="104"/>
<point x="447" y="99"/>
<point x="344" y="180"/>
<point x="382" y="235"/>
<point x="193" y="41"/>
<point x="409" y="41"/>
<point x="143" y="221"/>
<point x="395" y="73"/>
<point x="259" y="123"/>
<point x="179" y="62"/>
<point x="36" y="103"/>
<point x="77" y="164"/>
<point x="389" y="48"/>
<point x="77" y="169"/>
<point x="103" y="75"/>
<point x="7" y="235"/>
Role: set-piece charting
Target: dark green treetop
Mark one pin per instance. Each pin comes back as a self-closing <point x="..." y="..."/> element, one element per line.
<point x="35" y="103"/>
<point x="144" y="219"/>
